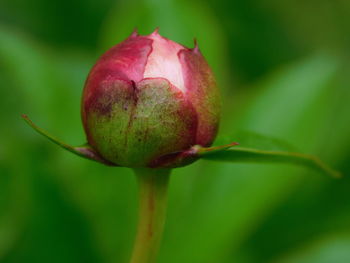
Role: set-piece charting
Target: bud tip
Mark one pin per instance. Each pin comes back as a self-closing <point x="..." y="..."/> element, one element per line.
<point x="155" y="32"/>
<point x="134" y="33"/>
<point x="195" y="48"/>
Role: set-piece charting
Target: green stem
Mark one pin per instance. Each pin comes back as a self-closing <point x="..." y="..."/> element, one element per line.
<point x="153" y="186"/>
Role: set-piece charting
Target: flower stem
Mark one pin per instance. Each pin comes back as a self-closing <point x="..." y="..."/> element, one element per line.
<point x="153" y="186"/>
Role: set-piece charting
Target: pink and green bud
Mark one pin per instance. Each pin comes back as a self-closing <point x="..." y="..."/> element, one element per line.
<point x="151" y="102"/>
<point x="148" y="100"/>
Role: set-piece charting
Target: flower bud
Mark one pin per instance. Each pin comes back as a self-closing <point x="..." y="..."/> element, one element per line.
<point x="148" y="100"/>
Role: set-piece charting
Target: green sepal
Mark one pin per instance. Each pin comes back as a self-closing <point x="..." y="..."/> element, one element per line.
<point x="227" y="153"/>
<point x="84" y="151"/>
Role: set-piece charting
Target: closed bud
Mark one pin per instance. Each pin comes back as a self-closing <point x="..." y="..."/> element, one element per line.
<point x="148" y="100"/>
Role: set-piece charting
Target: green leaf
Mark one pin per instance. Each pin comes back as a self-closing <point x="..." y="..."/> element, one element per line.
<point x="84" y="151"/>
<point x="257" y="148"/>
<point x="242" y="154"/>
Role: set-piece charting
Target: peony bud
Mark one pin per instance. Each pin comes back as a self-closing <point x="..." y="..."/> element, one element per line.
<point x="148" y="100"/>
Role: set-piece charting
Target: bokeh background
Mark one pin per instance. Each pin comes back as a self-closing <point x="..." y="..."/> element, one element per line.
<point x="283" y="69"/>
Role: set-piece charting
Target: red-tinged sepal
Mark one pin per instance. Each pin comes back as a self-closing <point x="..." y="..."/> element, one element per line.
<point x="183" y="158"/>
<point x="84" y="151"/>
<point x="175" y="159"/>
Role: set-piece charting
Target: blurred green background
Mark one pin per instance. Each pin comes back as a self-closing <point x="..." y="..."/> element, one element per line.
<point x="283" y="69"/>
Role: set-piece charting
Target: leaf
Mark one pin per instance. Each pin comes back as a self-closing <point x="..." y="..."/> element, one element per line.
<point x="258" y="148"/>
<point x="84" y="151"/>
<point x="242" y="154"/>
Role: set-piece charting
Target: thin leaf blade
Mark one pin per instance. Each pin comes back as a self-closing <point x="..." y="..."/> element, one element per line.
<point x="251" y="155"/>
<point x="84" y="151"/>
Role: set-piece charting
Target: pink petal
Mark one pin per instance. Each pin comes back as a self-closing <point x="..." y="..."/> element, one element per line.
<point x="163" y="62"/>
